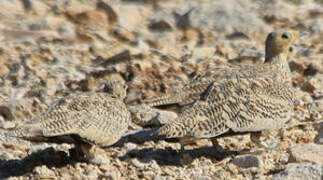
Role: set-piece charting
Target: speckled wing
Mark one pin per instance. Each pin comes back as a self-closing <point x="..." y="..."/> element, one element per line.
<point x="247" y="105"/>
<point x="107" y="123"/>
<point x="61" y="118"/>
<point x="239" y="104"/>
<point x="192" y="90"/>
<point x="96" y="117"/>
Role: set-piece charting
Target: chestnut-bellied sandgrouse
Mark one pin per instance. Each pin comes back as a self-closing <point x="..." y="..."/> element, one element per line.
<point x="85" y="119"/>
<point x="243" y="99"/>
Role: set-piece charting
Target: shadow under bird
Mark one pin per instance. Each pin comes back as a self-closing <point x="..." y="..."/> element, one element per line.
<point x="87" y="119"/>
<point x="240" y="99"/>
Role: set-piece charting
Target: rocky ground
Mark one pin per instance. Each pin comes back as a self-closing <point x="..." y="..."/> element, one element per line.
<point x="49" y="49"/>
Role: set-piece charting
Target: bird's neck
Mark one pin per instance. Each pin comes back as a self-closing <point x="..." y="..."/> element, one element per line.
<point x="279" y="60"/>
<point x="279" y="64"/>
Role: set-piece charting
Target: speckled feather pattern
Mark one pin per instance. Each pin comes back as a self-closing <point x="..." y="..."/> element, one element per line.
<point x="250" y="98"/>
<point x="98" y="118"/>
<point x="192" y="90"/>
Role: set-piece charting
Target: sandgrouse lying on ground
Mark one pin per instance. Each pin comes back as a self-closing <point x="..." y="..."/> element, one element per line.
<point x="244" y="99"/>
<point x="84" y="119"/>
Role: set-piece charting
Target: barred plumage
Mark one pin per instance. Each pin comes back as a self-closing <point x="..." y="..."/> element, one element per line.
<point x="247" y="98"/>
<point x="89" y="118"/>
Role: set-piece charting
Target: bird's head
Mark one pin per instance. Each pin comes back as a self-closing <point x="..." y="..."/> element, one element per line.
<point x="117" y="88"/>
<point x="280" y="42"/>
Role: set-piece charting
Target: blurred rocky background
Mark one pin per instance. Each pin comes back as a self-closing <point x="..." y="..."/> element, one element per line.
<point x="51" y="48"/>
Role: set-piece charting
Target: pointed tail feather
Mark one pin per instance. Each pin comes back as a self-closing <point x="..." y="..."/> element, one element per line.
<point x="26" y="131"/>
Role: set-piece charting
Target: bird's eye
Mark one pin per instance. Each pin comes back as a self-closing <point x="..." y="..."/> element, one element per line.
<point x="271" y="35"/>
<point x="286" y="36"/>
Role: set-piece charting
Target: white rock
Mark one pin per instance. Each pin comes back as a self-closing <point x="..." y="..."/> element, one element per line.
<point x="306" y="153"/>
<point x="225" y="17"/>
<point x="130" y="146"/>
<point x="138" y="164"/>
<point x="38" y="147"/>
<point x="44" y="171"/>
<point x="100" y="159"/>
<point x="304" y="171"/>
<point x="7" y="125"/>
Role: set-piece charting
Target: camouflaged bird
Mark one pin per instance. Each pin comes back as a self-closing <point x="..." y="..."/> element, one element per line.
<point x="250" y="99"/>
<point x="85" y="119"/>
<point x="191" y="91"/>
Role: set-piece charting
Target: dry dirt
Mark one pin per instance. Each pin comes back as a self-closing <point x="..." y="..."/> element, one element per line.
<point x="49" y="49"/>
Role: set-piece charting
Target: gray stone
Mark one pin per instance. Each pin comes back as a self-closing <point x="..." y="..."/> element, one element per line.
<point x="225" y="17"/>
<point x="247" y="161"/>
<point x="304" y="171"/>
<point x="251" y="53"/>
<point x="319" y="137"/>
<point x="306" y="153"/>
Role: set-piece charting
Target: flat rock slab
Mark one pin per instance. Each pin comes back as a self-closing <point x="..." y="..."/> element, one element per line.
<point x="247" y="161"/>
<point x="304" y="171"/>
<point x="306" y="153"/>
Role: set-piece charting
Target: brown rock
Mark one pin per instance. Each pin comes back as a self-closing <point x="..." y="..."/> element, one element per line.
<point x="161" y="21"/>
<point x="311" y="69"/>
<point x="191" y="34"/>
<point x="160" y="25"/>
<point x="4" y="70"/>
<point x="186" y="159"/>
<point x="306" y="153"/>
<point x="124" y="35"/>
<point x="113" y="17"/>
<point x="298" y="66"/>
<point x="122" y="56"/>
<point x="310" y="85"/>
<point x="93" y="19"/>
<point x="6" y="112"/>
<point x="224" y="50"/>
<point x="104" y="167"/>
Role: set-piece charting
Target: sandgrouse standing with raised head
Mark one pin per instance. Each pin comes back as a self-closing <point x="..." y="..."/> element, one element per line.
<point x="243" y="99"/>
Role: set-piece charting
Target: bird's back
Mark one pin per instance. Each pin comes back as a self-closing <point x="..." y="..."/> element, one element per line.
<point x="258" y="100"/>
<point x="192" y="90"/>
<point x="97" y="118"/>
